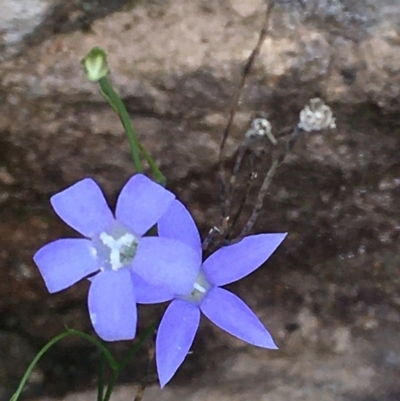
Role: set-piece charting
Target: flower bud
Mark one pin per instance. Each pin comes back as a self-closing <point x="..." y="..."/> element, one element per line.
<point x="95" y="64"/>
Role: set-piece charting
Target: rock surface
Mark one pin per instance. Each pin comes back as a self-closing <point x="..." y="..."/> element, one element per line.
<point x="330" y="295"/>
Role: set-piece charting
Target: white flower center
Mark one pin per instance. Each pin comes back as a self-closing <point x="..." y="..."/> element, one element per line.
<point x="115" y="247"/>
<point x="200" y="289"/>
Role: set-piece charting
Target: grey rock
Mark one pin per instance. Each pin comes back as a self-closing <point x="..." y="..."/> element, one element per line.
<point x="18" y="19"/>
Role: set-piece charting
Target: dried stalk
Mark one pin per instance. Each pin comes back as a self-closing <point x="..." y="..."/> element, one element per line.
<point x="231" y="187"/>
<point x="249" y="184"/>
<point x="144" y="384"/>
<point x="260" y="199"/>
<point x="234" y="106"/>
<point x="277" y="161"/>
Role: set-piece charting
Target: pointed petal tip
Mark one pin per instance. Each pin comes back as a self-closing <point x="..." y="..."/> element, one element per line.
<point x="163" y="381"/>
<point x="230" y="313"/>
<point x="282" y="236"/>
<point x="267" y="342"/>
<point x="274" y="238"/>
<point x="264" y="340"/>
<point x="175" y="336"/>
<point x="243" y="257"/>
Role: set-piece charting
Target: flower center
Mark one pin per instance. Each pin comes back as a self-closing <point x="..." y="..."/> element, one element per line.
<point x="115" y="247"/>
<point x="200" y="289"/>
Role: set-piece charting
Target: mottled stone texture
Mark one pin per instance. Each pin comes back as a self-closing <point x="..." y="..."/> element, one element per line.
<point x="330" y="295"/>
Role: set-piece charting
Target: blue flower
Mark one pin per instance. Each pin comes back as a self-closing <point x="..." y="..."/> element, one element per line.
<point x="180" y="322"/>
<point x="125" y="268"/>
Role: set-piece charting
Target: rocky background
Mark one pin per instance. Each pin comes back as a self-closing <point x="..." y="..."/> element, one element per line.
<point x="330" y="295"/>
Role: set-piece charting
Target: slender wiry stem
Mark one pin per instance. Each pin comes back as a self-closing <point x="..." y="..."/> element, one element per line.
<point x="260" y="199"/>
<point x="220" y="232"/>
<point x="234" y="106"/>
<point x="144" y="384"/>
<point x="277" y="161"/>
<point x="245" y="197"/>
<point x="136" y="146"/>
<point x="115" y="101"/>
<point x="231" y="187"/>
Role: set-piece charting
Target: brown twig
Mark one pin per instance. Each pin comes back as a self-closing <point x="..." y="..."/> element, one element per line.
<point x="260" y="199"/>
<point x="229" y="193"/>
<point x="277" y="161"/>
<point x="143" y="385"/>
<point x="249" y="184"/>
<point x="234" y="105"/>
<point x="215" y="232"/>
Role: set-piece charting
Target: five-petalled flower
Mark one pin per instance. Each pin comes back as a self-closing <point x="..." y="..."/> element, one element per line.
<point x="231" y="263"/>
<point x="125" y="267"/>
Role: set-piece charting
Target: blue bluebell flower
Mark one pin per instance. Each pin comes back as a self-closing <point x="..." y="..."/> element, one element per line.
<point x="181" y="320"/>
<point x="124" y="267"/>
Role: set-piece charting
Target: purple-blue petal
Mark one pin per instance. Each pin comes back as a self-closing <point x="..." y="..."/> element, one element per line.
<point x="175" y="336"/>
<point x="231" y="314"/>
<point x="141" y="203"/>
<point x="177" y="223"/>
<point x="167" y="263"/>
<point x="83" y="207"/>
<point x="233" y="262"/>
<point x="64" y="262"/>
<point x="112" y="305"/>
<point x="146" y="293"/>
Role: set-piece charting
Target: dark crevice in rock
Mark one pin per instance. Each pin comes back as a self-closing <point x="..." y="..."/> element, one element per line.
<point x="66" y="17"/>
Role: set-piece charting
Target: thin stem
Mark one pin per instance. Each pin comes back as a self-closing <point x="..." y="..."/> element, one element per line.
<point x="235" y="103"/>
<point x="159" y="176"/>
<point x="142" y="386"/>
<point x="244" y="199"/>
<point x="215" y="235"/>
<point x="260" y="198"/>
<point x="138" y="345"/>
<point x="211" y="236"/>
<point x="140" y="392"/>
<point x="110" y="359"/>
<point x="278" y="160"/>
<point x="100" y="384"/>
<point x="69" y="332"/>
<point x="231" y="188"/>
<point x="116" y="103"/>
<point x="111" y="385"/>
<point x="125" y="361"/>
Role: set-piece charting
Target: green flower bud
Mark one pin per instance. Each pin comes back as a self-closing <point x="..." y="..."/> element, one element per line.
<point x="95" y="64"/>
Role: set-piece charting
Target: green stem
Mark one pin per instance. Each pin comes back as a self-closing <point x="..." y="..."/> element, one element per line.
<point x="111" y="385"/>
<point x="125" y="361"/>
<point x="116" y="103"/>
<point x="112" y="362"/>
<point x="96" y="69"/>
<point x="100" y="384"/>
<point x="110" y="359"/>
<point x="159" y="176"/>
<point x="118" y="106"/>
<point x="137" y="346"/>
